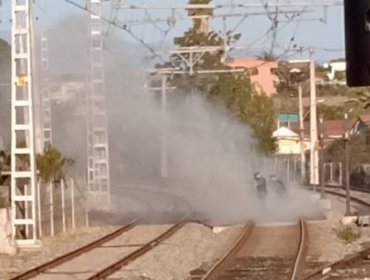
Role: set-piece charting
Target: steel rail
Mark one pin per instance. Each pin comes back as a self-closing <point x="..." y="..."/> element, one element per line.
<point x="73" y="254"/>
<point x="358" y="200"/>
<point x="301" y="252"/>
<point x="219" y="265"/>
<point x="104" y="273"/>
<point x="347" y="261"/>
<point x="300" y="256"/>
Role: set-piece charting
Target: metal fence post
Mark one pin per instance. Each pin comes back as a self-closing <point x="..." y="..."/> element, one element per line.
<point x="51" y="209"/>
<point x="38" y="186"/>
<point x="73" y="203"/>
<point x="63" y="206"/>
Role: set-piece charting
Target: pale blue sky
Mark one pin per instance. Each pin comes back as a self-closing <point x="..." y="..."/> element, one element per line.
<point x="253" y="29"/>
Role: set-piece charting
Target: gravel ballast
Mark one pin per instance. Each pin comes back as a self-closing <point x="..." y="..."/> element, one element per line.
<point x="52" y="247"/>
<point x="193" y="246"/>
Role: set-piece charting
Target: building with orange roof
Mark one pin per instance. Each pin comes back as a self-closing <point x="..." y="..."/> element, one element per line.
<point x="262" y="78"/>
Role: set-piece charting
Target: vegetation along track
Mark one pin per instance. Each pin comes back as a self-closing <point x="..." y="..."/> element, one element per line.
<point x="356" y="266"/>
<point x="263" y="252"/>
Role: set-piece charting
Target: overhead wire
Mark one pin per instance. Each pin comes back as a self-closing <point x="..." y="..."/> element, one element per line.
<point x="124" y="27"/>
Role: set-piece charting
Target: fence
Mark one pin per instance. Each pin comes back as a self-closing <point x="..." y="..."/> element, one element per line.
<point x="333" y="173"/>
<point x="61" y="206"/>
<point x="287" y="169"/>
<point x="290" y="170"/>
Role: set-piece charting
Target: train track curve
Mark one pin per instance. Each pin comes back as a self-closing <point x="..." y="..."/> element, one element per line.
<point x="263" y="252"/>
<point x="355" y="266"/>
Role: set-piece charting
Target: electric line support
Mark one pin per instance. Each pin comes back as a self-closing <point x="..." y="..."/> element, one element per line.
<point x="23" y="165"/>
<point x="98" y="177"/>
<point x="47" y="135"/>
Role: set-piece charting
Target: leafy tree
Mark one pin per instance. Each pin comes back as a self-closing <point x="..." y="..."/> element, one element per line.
<point x="362" y="98"/>
<point x="233" y="90"/>
<point x="267" y="56"/>
<point x="50" y="164"/>
<point x="359" y="150"/>
<point x="288" y="79"/>
<point x="331" y="112"/>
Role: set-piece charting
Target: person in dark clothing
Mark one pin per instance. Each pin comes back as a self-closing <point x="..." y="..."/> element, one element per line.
<point x="260" y="185"/>
<point x="279" y="185"/>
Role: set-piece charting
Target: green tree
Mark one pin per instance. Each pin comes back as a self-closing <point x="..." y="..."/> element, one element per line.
<point x="267" y="56"/>
<point x="359" y="150"/>
<point x="51" y="164"/>
<point x="233" y="90"/>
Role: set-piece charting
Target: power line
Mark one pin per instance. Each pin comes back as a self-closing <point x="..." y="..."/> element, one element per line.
<point x="123" y="27"/>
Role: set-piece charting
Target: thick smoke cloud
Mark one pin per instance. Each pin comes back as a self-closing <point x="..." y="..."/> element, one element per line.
<point x="211" y="156"/>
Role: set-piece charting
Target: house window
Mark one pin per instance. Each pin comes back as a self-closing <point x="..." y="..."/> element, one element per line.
<point x="253" y="71"/>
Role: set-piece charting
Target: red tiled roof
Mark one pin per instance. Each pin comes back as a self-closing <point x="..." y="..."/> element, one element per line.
<point x="332" y="128"/>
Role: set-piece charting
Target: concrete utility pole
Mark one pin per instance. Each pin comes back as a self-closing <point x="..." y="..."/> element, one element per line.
<point x="322" y="167"/>
<point x="347" y="166"/>
<point x="164" y="159"/>
<point x="164" y="74"/>
<point x="98" y="177"/>
<point x="301" y="134"/>
<point x="314" y="158"/>
<point x="23" y="172"/>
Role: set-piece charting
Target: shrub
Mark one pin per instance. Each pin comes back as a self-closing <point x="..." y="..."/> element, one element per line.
<point x="50" y="164"/>
<point x="348" y="234"/>
<point x="3" y="202"/>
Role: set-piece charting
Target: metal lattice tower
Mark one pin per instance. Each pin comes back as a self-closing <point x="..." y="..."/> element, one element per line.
<point x="47" y="135"/>
<point x="23" y="179"/>
<point x="97" y="131"/>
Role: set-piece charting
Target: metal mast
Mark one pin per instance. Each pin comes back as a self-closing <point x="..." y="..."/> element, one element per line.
<point x="97" y="131"/>
<point x="47" y="135"/>
<point x="23" y="179"/>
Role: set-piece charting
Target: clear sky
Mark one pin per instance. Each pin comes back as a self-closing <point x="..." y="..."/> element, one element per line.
<point x="306" y="31"/>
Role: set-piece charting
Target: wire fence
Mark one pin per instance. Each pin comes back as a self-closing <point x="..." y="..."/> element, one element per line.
<point x="292" y="171"/>
<point x="62" y="206"/>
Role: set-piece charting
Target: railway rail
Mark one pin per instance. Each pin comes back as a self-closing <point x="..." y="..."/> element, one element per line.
<point x="262" y="252"/>
<point x="118" y="250"/>
<point x="352" y="267"/>
<point x="71" y="255"/>
<point x="355" y="266"/>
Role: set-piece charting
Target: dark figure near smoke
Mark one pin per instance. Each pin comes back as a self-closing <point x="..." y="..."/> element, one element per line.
<point x="279" y="185"/>
<point x="260" y="185"/>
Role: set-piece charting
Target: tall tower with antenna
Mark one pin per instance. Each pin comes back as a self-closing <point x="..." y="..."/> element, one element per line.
<point x="23" y="166"/>
<point x="97" y="129"/>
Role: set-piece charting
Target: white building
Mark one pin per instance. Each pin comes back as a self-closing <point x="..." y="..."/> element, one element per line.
<point x="335" y="66"/>
<point x="288" y="141"/>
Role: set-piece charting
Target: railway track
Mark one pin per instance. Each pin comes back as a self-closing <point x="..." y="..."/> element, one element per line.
<point x="262" y="252"/>
<point x="74" y="254"/>
<point x="355" y="266"/>
<point x="109" y="254"/>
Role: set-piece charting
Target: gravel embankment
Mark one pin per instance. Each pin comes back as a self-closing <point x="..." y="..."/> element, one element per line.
<point x="193" y="246"/>
<point x="11" y="266"/>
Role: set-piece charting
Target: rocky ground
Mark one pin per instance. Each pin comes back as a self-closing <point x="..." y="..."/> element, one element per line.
<point x="10" y="266"/>
<point x="194" y="246"/>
